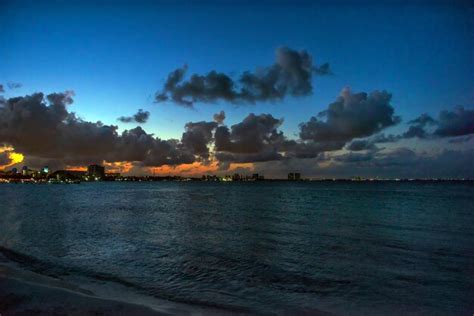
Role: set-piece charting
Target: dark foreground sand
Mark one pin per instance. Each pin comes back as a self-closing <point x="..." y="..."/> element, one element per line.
<point x="27" y="293"/>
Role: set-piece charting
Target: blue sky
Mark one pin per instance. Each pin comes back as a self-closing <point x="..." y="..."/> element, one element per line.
<point x="115" y="57"/>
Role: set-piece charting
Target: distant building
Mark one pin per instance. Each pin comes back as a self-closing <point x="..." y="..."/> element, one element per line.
<point x="45" y="170"/>
<point x="95" y="171"/>
<point x="67" y="175"/>
<point x="294" y="176"/>
<point x="255" y="176"/>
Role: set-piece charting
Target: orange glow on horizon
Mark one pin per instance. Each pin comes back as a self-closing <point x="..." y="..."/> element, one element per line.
<point x="76" y="168"/>
<point x="193" y="169"/>
<point x="196" y="169"/>
<point x="15" y="158"/>
<point x="128" y="168"/>
<point x="118" y="167"/>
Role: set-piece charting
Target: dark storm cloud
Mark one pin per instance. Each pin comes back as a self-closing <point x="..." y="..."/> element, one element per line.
<point x="197" y="137"/>
<point x="258" y="139"/>
<point x="361" y="144"/>
<point x="41" y="127"/>
<point x="219" y="117"/>
<point x="168" y="152"/>
<point x="415" y="131"/>
<point x="249" y="136"/>
<point x="2" y="89"/>
<point x="455" y="123"/>
<point x="354" y="157"/>
<point x="290" y="75"/>
<point x="255" y="138"/>
<point x="139" y="117"/>
<point x="266" y="154"/>
<point x="352" y="115"/>
<point x="423" y="120"/>
<point x="418" y="127"/>
<point x="382" y="138"/>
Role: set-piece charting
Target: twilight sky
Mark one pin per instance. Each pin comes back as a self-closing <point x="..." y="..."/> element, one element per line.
<point x="223" y="87"/>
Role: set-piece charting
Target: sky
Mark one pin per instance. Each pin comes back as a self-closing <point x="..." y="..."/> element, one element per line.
<point x="295" y="59"/>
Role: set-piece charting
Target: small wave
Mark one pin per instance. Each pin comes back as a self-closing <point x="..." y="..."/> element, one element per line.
<point x="57" y="271"/>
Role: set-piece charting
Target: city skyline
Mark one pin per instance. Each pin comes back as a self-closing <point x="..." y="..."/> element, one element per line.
<point x="142" y="99"/>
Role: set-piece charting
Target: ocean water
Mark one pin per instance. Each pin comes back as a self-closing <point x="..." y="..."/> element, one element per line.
<point x="263" y="247"/>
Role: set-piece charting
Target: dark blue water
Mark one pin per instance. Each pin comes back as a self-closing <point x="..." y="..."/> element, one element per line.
<point x="343" y="248"/>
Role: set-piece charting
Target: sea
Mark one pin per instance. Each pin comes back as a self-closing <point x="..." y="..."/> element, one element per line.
<point x="265" y="248"/>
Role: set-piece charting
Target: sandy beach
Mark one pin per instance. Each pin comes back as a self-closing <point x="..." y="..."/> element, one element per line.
<point x="24" y="292"/>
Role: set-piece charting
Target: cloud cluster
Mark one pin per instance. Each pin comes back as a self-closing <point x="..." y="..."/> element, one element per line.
<point x="352" y="115"/>
<point x="290" y="75"/>
<point x="42" y="128"/>
<point x="219" y="117"/>
<point x="256" y="138"/>
<point x="397" y="163"/>
<point x="458" y="125"/>
<point x="140" y="117"/>
<point x="197" y="137"/>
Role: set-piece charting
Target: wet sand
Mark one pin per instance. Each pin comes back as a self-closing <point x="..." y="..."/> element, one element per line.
<point x="24" y="292"/>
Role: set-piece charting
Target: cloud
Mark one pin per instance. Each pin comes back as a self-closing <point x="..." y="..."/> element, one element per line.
<point x="309" y="149"/>
<point x="459" y="122"/>
<point x="352" y="115"/>
<point x="354" y="157"/>
<point x="258" y="138"/>
<point x="42" y="128"/>
<point x="455" y="123"/>
<point x="290" y="75"/>
<point x="14" y="85"/>
<point x="140" y="117"/>
<point x="219" y="117"/>
<point x="2" y="89"/>
<point x="249" y="136"/>
<point x="423" y="120"/>
<point x="197" y="137"/>
<point x="458" y="140"/>
<point x="5" y="158"/>
<point x="382" y="138"/>
<point x="168" y="152"/>
<point x="361" y="144"/>
<point x="415" y="131"/>
<point x="398" y="163"/>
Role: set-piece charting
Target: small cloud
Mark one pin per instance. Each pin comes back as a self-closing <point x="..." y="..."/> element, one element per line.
<point x="140" y="117"/>
<point x="14" y="85"/>
<point x="219" y="117"/>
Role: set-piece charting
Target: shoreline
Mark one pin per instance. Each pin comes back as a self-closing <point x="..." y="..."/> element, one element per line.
<point x="26" y="292"/>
